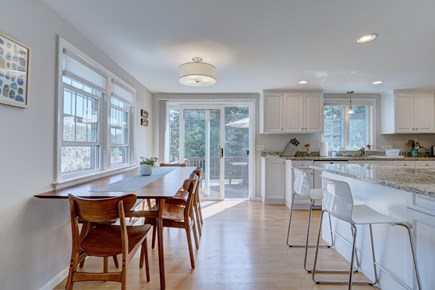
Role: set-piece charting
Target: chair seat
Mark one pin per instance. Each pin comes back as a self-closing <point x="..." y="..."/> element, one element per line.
<point x="108" y="239"/>
<point x="363" y="214"/>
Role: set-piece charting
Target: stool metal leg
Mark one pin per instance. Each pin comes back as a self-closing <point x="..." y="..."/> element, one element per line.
<point x="353" y="257"/>
<point x="308" y="227"/>
<point x="308" y="235"/>
<point x="414" y="258"/>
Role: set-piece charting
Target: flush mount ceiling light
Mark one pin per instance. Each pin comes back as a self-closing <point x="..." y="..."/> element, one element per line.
<point x="197" y="73"/>
<point x="367" y="38"/>
<point x="350" y="111"/>
<point x="377" y="82"/>
<point x="303" y="82"/>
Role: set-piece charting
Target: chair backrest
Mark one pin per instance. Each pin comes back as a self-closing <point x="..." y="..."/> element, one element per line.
<point x="172" y="164"/>
<point x="190" y="186"/>
<point x="100" y="210"/>
<point x="302" y="183"/>
<point x="337" y="199"/>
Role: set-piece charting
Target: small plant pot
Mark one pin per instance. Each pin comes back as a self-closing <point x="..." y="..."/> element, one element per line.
<point x="146" y="169"/>
<point x="414" y="153"/>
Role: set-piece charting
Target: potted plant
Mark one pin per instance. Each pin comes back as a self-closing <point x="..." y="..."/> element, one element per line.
<point x="147" y="164"/>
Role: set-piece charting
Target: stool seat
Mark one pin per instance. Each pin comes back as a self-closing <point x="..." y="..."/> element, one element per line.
<point x="364" y="215"/>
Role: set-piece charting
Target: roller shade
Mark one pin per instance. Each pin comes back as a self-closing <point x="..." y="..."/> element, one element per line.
<point x="77" y="68"/>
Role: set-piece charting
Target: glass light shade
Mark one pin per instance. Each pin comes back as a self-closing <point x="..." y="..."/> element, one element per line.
<point x="197" y="74"/>
<point x="350" y="111"/>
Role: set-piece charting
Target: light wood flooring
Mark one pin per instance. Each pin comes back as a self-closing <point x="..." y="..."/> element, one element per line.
<point x="242" y="247"/>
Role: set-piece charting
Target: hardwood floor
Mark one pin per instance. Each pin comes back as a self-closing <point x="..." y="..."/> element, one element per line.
<point x="242" y="247"/>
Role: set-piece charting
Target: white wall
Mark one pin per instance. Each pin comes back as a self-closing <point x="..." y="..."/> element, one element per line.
<point x="35" y="235"/>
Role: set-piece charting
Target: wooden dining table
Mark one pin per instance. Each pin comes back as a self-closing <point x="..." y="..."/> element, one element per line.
<point x="163" y="185"/>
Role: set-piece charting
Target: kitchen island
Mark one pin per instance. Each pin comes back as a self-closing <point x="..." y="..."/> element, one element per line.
<point x="404" y="193"/>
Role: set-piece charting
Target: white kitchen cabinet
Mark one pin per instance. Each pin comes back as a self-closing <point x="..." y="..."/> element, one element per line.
<point x="291" y="112"/>
<point x="272" y="180"/>
<point x="408" y="112"/>
<point x="409" y="164"/>
<point x="424" y="164"/>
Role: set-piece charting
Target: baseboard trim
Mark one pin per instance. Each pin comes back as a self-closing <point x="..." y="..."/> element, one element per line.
<point x="52" y="283"/>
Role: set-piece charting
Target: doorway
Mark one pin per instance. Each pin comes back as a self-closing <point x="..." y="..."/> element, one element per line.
<point x="216" y="138"/>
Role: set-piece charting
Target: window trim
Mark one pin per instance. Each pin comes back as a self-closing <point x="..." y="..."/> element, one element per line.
<point x="103" y="136"/>
<point x="356" y="102"/>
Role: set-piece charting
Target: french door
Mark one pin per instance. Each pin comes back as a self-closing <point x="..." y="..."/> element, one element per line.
<point x="215" y="138"/>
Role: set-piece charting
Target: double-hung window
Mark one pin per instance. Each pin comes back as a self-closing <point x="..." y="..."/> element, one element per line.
<point x="348" y="129"/>
<point x="94" y="117"/>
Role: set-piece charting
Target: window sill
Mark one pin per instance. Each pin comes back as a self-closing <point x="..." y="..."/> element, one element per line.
<point x="94" y="175"/>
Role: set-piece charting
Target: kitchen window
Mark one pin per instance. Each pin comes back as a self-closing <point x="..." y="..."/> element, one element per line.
<point x="94" y="117"/>
<point x="348" y="131"/>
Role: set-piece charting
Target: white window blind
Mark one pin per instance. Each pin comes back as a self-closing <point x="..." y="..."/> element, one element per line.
<point x="122" y="92"/>
<point x="77" y="68"/>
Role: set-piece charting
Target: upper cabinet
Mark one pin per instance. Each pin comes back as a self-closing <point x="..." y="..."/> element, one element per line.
<point x="408" y="112"/>
<point x="291" y="112"/>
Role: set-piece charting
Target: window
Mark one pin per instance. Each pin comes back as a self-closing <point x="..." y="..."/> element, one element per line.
<point x="348" y="131"/>
<point x="94" y="110"/>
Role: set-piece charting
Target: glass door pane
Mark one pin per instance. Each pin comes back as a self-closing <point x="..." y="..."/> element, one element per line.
<point x="202" y="134"/>
<point x="237" y="152"/>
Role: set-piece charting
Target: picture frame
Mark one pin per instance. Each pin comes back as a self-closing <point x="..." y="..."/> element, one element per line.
<point x="144" y="122"/>
<point x="14" y="72"/>
<point x="144" y="114"/>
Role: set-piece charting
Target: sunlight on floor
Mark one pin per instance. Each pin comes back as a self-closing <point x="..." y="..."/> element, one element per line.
<point x="210" y="208"/>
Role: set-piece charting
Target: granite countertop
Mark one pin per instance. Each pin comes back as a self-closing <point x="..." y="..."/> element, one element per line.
<point x="315" y="157"/>
<point x="419" y="181"/>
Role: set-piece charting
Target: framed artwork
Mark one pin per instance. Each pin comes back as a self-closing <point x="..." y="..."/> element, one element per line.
<point x="144" y="114"/>
<point x="144" y="122"/>
<point x="14" y="72"/>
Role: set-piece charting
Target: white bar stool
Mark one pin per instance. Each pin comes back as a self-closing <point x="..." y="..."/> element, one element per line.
<point x="338" y="202"/>
<point x="302" y="188"/>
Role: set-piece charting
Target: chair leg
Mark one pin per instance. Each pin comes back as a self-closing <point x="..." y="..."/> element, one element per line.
<point x="200" y="210"/>
<point x="414" y="258"/>
<point x="195" y="235"/>
<point x="373" y="255"/>
<point x="197" y="221"/>
<point x="189" y="245"/>
<point x="115" y="261"/>
<point x="308" y="236"/>
<point x="144" y="258"/>
<point x="153" y="243"/>
<point x="317" y="248"/>
<point x="354" y="231"/>
<point x="290" y="221"/>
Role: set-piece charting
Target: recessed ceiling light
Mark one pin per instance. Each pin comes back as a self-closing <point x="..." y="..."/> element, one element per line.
<point x="367" y="38"/>
<point x="377" y="82"/>
<point x="304" y="82"/>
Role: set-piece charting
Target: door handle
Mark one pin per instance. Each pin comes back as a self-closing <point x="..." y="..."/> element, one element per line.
<point x="222" y="152"/>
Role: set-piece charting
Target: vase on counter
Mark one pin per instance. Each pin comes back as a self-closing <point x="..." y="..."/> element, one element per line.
<point x="414" y="152"/>
<point x="146" y="169"/>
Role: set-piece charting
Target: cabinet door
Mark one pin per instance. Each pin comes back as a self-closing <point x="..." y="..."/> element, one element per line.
<point x="273" y="113"/>
<point x="313" y="111"/>
<point x="404" y="113"/>
<point x="424" y="110"/>
<point x="293" y="112"/>
<point x="274" y="179"/>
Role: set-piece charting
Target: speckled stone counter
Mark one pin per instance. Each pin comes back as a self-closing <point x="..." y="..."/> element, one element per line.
<point x="418" y="181"/>
<point x="350" y="158"/>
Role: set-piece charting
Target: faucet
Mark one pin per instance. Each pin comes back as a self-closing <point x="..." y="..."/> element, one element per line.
<point x="362" y="151"/>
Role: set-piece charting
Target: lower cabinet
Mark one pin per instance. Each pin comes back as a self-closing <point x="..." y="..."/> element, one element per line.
<point x="272" y="180"/>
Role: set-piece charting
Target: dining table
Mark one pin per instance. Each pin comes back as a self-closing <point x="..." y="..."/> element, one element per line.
<point x="161" y="185"/>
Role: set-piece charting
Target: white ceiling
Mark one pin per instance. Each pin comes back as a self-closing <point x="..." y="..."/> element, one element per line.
<point x="264" y="44"/>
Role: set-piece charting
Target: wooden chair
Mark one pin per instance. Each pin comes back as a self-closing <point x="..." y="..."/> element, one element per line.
<point x="197" y="203"/>
<point x="173" y="164"/>
<point x="103" y="239"/>
<point x="179" y="214"/>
